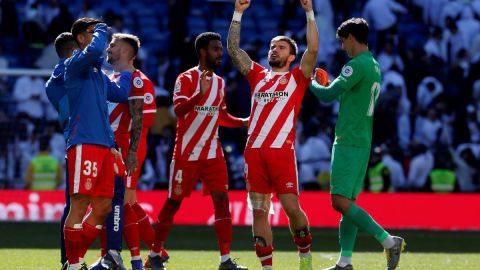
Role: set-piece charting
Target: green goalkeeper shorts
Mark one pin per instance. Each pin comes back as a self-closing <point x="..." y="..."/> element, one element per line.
<point x="349" y="165"/>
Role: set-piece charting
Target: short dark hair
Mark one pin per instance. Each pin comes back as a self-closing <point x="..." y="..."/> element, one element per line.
<point x="63" y="43"/>
<point x="290" y="41"/>
<point x="131" y="40"/>
<point x="202" y="40"/>
<point x="82" y="25"/>
<point x="358" y="27"/>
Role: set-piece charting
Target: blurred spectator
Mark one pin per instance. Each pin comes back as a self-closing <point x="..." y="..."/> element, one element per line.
<point x="420" y="166"/>
<point x="29" y="93"/>
<point x="397" y="175"/>
<point x="378" y="178"/>
<point x="436" y="47"/>
<point x="428" y="89"/>
<point x="61" y="22"/>
<point x="381" y="15"/>
<point x="87" y="10"/>
<point x="44" y="171"/>
<point x="388" y="58"/>
<point x="442" y="177"/>
<point x="51" y="11"/>
<point x="313" y="157"/>
<point x="467" y="171"/>
<point x="34" y="26"/>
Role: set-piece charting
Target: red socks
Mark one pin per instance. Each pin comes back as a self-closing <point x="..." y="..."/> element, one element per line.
<point x="147" y="234"/>
<point x="90" y="233"/>
<point x="73" y="240"/>
<point x="130" y="231"/>
<point x="264" y="254"/>
<point x="303" y="240"/>
<point x="223" y="229"/>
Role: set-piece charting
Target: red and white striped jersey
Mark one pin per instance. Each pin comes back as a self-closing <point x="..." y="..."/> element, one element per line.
<point x="120" y="117"/>
<point x="198" y="117"/>
<point x="276" y="100"/>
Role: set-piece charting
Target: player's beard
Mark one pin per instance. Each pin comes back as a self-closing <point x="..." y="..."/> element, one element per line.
<point x="214" y="63"/>
<point x="277" y="63"/>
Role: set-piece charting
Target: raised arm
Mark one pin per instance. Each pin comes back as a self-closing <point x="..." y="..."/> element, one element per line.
<point x="240" y="58"/>
<point x="119" y="92"/>
<point x="85" y="59"/>
<point x="309" y="58"/>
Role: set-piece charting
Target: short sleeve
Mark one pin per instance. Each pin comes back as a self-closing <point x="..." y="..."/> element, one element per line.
<point x="138" y="86"/>
<point x="254" y="75"/>
<point x="182" y="89"/>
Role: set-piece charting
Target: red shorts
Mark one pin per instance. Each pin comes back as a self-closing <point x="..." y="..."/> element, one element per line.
<point x="90" y="170"/>
<point x="269" y="170"/>
<point x="184" y="175"/>
<point x="123" y="142"/>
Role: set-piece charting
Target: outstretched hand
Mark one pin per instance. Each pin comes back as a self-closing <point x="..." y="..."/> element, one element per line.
<point x="307" y="5"/>
<point x="205" y="81"/>
<point x="241" y="5"/>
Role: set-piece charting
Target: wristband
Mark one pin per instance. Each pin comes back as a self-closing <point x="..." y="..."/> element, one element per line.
<point x="237" y="16"/>
<point x="310" y="15"/>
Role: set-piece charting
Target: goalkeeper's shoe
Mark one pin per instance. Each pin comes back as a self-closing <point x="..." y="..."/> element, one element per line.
<point x="231" y="265"/>
<point x="393" y="254"/>
<point x="157" y="262"/>
<point x="305" y="262"/>
<point x="337" y="267"/>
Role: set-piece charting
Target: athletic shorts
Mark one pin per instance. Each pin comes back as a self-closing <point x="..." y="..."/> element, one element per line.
<point x="349" y="165"/>
<point x="123" y="142"/>
<point x="184" y="175"/>
<point x="90" y="170"/>
<point x="269" y="170"/>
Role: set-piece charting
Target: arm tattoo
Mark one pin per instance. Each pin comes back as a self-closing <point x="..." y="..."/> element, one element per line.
<point x="136" y="110"/>
<point x="240" y="58"/>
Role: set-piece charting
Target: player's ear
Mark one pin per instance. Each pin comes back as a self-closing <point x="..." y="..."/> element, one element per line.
<point x="291" y="58"/>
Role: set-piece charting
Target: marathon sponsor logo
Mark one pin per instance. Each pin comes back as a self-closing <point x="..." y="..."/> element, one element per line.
<point x="265" y="97"/>
<point x="207" y="110"/>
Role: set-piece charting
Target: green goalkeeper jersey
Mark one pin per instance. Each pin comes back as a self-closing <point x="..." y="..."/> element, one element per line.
<point x="357" y="89"/>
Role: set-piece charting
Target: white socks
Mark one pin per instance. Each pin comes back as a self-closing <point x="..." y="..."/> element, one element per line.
<point x="389" y="242"/>
<point x="344" y="261"/>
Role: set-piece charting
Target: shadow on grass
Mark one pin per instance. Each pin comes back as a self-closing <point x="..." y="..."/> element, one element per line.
<point x="46" y="235"/>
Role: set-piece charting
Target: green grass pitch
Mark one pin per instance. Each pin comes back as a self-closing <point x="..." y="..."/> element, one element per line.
<point x="34" y="246"/>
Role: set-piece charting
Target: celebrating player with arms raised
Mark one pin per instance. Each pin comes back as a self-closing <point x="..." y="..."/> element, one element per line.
<point x="270" y="164"/>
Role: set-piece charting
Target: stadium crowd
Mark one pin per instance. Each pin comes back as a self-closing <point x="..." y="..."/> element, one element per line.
<point x="427" y="120"/>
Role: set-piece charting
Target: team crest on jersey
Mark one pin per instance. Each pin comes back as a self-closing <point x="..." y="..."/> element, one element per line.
<point x="148" y="98"/>
<point x="138" y="82"/>
<point x="178" y="86"/>
<point x="283" y="80"/>
<point x="88" y="184"/>
<point x="347" y="71"/>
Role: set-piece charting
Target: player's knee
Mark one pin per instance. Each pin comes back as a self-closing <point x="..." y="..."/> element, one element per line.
<point x="339" y="206"/>
<point x="292" y="210"/>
